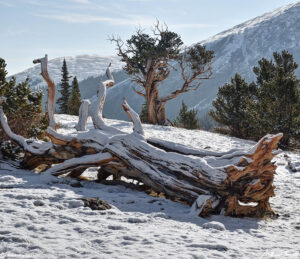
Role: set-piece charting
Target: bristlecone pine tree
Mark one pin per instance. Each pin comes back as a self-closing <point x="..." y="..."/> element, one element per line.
<point x="75" y="98"/>
<point x="65" y="90"/>
<point x="22" y="106"/>
<point x="187" y="118"/>
<point x="230" y="106"/>
<point x="149" y="58"/>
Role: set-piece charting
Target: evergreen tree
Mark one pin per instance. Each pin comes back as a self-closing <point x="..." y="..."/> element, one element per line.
<point x="270" y="105"/>
<point x="277" y="104"/>
<point x="75" y="98"/>
<point x="187" y="119"/>
<point x="230" y="106"/>
<point x="65" y="89"/>
<point x="144" y="113"/>
<point x="3" y="73"/>
<point x="22" y="106"/>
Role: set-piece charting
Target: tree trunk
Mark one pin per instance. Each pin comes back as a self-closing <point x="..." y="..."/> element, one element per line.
<point x="161" y="114"/>
<point x="151" y="97"/>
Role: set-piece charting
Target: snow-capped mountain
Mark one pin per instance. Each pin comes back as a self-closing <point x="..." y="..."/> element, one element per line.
<point x="237" y="50"/>
<point x="82" y="66"/>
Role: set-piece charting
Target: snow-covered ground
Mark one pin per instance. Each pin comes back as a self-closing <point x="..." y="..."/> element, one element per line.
<point x="43" y="217"/>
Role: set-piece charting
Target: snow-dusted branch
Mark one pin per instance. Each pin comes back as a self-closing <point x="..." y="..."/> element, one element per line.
<point x="30" y="145"/>
<point x="135" y="118"/>
<point x="51" y="89"/>
<point x="80" y="163"/>
<point x="99" y="103"/>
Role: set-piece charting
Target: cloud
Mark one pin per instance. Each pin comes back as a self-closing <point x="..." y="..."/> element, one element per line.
<point x="16" y="32"/>
<point x="6" y="3"/>
<point x="81" y="1"/>
<point x="87" y="18"/>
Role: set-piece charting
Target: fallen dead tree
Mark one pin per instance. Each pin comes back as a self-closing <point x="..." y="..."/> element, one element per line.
<point x="235" y="183"/>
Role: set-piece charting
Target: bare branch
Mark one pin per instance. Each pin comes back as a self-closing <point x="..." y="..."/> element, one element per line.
<point x="51" y="89"/>
<point x="135" y="118"/>
<point x="138" y="92"/>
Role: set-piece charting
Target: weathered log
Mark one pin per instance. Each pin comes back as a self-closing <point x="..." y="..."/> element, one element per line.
<point x="235" y="183"/>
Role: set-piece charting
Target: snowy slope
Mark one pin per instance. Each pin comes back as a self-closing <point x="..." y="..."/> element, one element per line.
<point x="43" y="217"/>
<point x="82" y="66"/>
<point x="237" y="50"/>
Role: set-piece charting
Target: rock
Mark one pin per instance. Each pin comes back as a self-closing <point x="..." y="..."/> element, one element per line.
<point x="214" y="225"/>
<point x="38" y="203"/>
<point x="76" y="185"/>
<point x="96" y="204"/>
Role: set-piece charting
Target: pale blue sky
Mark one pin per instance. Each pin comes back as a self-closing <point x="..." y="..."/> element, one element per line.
<point x="31" y="28"/>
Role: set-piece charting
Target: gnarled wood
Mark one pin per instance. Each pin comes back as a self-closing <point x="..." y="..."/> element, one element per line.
<point x="212" y="182"/>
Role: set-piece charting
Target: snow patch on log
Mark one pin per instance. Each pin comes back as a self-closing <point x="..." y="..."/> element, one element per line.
<point x="81" y="162"/>
<point x="203" y="205"/>
<point x="185" y="150"/>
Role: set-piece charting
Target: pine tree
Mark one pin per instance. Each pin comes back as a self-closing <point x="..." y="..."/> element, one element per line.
<point x="277" y="105"/>
<point x="65" y="89"/>
<point x="187" y="119"/>
<point x="22" y="106"/>
<point x="230" y="106"/>
<point x="75" y="98"/>
<point x="270" y="105"/>
<point x="144" y="113"/>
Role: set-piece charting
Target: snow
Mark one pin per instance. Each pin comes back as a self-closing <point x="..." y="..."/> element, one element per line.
<point x="42" y="216"/>
<point x="214" y="225"/>
<point x="81" y="66"/>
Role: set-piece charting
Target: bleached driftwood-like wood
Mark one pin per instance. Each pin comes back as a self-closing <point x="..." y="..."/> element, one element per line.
<point x="99" y="103"/>
<point x="135" y="119"/>
<point x="211" y="182"/>
<point x="50" y="90"/>
<point x="83" y="115"/>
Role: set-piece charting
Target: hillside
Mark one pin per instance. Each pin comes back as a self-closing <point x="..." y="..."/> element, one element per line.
<point x="43" y="216"/>
<point x="82" y="66"/>
<point x="237" y="50"/>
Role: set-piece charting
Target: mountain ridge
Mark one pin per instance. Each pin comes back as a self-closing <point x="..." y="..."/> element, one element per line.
<point x="237" y="50"/>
